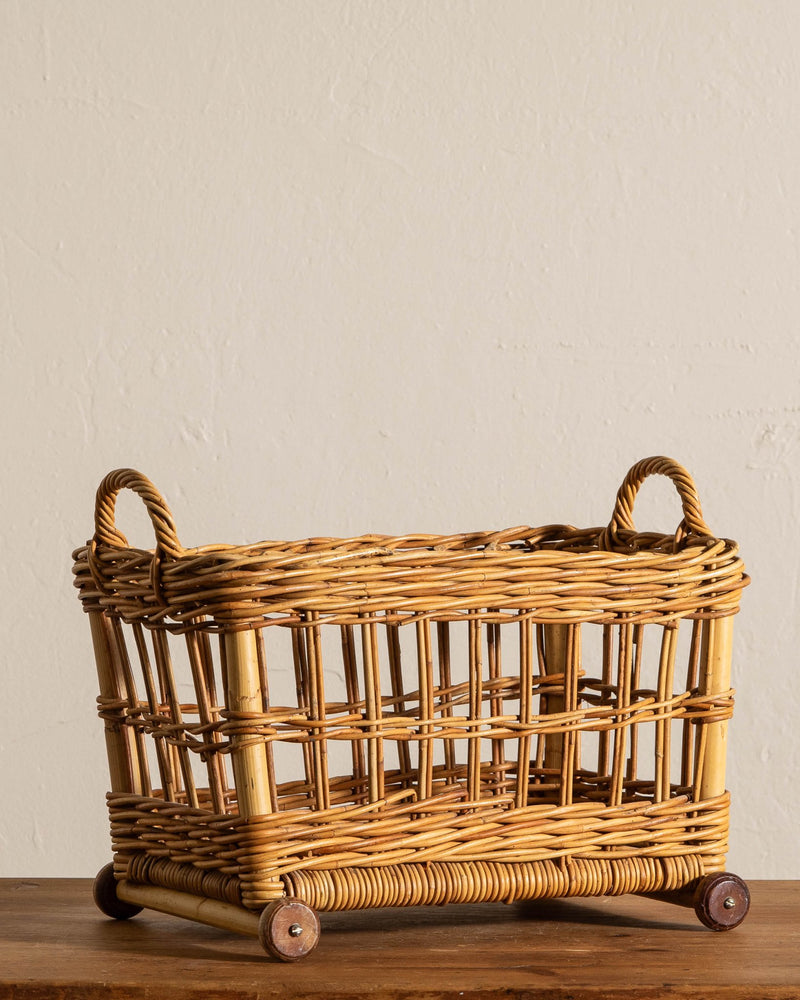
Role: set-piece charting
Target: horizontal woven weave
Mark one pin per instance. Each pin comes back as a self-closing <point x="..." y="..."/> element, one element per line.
<point x="555" y="578"/>
<point x="395" y="833"/>
<point x="436" y="883"/>
<point x="489" y="882"/>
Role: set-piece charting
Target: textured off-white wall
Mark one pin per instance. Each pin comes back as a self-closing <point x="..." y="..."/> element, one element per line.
<point x="330" y="267"/>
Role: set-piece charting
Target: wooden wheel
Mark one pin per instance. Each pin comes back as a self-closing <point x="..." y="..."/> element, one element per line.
<point x="721" y="901"/>
<point x="104" y="891"/>
<point x="288" y="929"/>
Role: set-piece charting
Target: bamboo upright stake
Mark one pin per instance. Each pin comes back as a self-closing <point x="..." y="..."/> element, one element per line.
<point x="691" y="683"/>
<point x="373" y="707"/>
<point x="263" y="675"/>
<point x="446" y="695"/>
<point x="351" y="683"/>
<point x="316" y="697"/>
<point x="572" y="661"/>
<point x="633" y="755"/>
<point x="206" y="711"/>
<point x="555" y="662"/>
<point x="604" y="737"/>
<point x="250" y="770"/>
<point x="425" y="673"/>
<point x="496" y="704"/>
<point x="398" y="699"/>
<point x="162" y="750"/>
<point x="123" y="757"/>
<point x="624" y="672"/>
<point x="302" y="684"/>
<point x="715" y="679"/>
<point x="666" y="670"/>
<point x="475" y="702"/>
<point x="167" y="679"/>
<point x="525" y="711"/>
<point x="125" y="673"/>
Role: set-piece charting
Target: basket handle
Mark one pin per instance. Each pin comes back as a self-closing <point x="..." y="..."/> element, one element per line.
<point x="622" y="518"/>
<point x="106" y="531"/>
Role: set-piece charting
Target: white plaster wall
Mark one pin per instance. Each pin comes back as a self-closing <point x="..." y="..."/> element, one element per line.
<point x="328" y="267"/>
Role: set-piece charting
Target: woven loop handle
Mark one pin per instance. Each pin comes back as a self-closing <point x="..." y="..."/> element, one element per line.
<point x="106" y="531"/>
<point x="622" y="518"/>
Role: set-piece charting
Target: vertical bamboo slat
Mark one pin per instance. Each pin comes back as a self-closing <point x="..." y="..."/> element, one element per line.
<point x="496" y="702"/>
<point x="542" y="672"/>
<point x="316" y="691"/>
<point x="603" y="765"/>
<point x="475" y="702"/>
<point x="398" y="699"/>
<point x="120" y="654"/>
<point x="555" y="663"/>
<point x="425" y="673"/>
<point x="302" y="683"/>
<point x="572" y="661"/>
<point x="163" y="758"/>
<point x="167" y="677"/>
<point x="525" y="710"/>
<point x="446" y="696"/>
<point x="250" y="769"/>
<point x="353" y="698"/>
<point x="692" y="669"/>
<point x="623" y="698"/>
<point x="372" y="692"/>
<point x="666" y="672"/>
<point x="206" y="714"/>
<point x="633" y="755"/>
<point x="206" y="657"/>
<point x="263" y="677"/>
<point x="123" y="765"/>
<point x="715" y="679"/>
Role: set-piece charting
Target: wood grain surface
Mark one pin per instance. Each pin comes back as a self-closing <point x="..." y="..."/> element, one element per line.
<point x="55" y="943"/>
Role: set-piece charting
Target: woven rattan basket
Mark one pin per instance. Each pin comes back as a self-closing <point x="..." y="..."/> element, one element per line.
<point x="330" y="724"/>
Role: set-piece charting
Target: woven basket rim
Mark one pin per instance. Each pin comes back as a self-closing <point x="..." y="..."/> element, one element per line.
<point x="514" y="543"/>
<point x="591" y="574"/>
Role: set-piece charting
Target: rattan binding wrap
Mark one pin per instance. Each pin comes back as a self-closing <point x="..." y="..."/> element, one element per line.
<point x="489" y="716"/>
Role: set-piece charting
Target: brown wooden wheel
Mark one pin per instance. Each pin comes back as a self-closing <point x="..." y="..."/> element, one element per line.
<point x="104" y="891"/>
<point x="288" y="929"/>
<point x="721" y="901"/>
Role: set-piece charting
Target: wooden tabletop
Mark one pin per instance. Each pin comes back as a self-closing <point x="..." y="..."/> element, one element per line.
<point x="54" y="943"/>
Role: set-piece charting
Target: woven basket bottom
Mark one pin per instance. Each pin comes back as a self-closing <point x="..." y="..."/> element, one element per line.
<point x="437" y="883"/>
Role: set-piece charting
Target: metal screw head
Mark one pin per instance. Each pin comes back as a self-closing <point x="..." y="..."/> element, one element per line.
<point x="729" y="903"/>
<point x="296" y="930"/>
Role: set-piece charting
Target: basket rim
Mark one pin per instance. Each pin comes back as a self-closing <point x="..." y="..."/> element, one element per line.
<point x="554" y="571"/>
<point x="235" y="587"/>
<point x="524" y="541"/>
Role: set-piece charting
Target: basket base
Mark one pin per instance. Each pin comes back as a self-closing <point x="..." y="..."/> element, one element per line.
<point x="213" y="912"/>
<point x="426" y="884"/>
<point x="289" y="928"/>
<point x="438" y="883"/>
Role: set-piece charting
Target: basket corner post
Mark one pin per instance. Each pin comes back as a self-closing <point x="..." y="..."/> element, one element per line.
<point x="715" y="680"/>
<point x="246" y="699"/>
<point x="719" y="898"/>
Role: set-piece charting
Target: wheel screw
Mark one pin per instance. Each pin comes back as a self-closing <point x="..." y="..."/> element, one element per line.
<point x="729" y="903"/>
<point x="296" y="930"/>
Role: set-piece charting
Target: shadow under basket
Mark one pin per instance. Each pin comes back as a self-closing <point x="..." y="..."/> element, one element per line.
<point x="331" y="724"/>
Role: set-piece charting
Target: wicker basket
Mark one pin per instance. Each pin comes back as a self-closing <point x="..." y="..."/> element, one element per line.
<point x="330" y="724"/>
